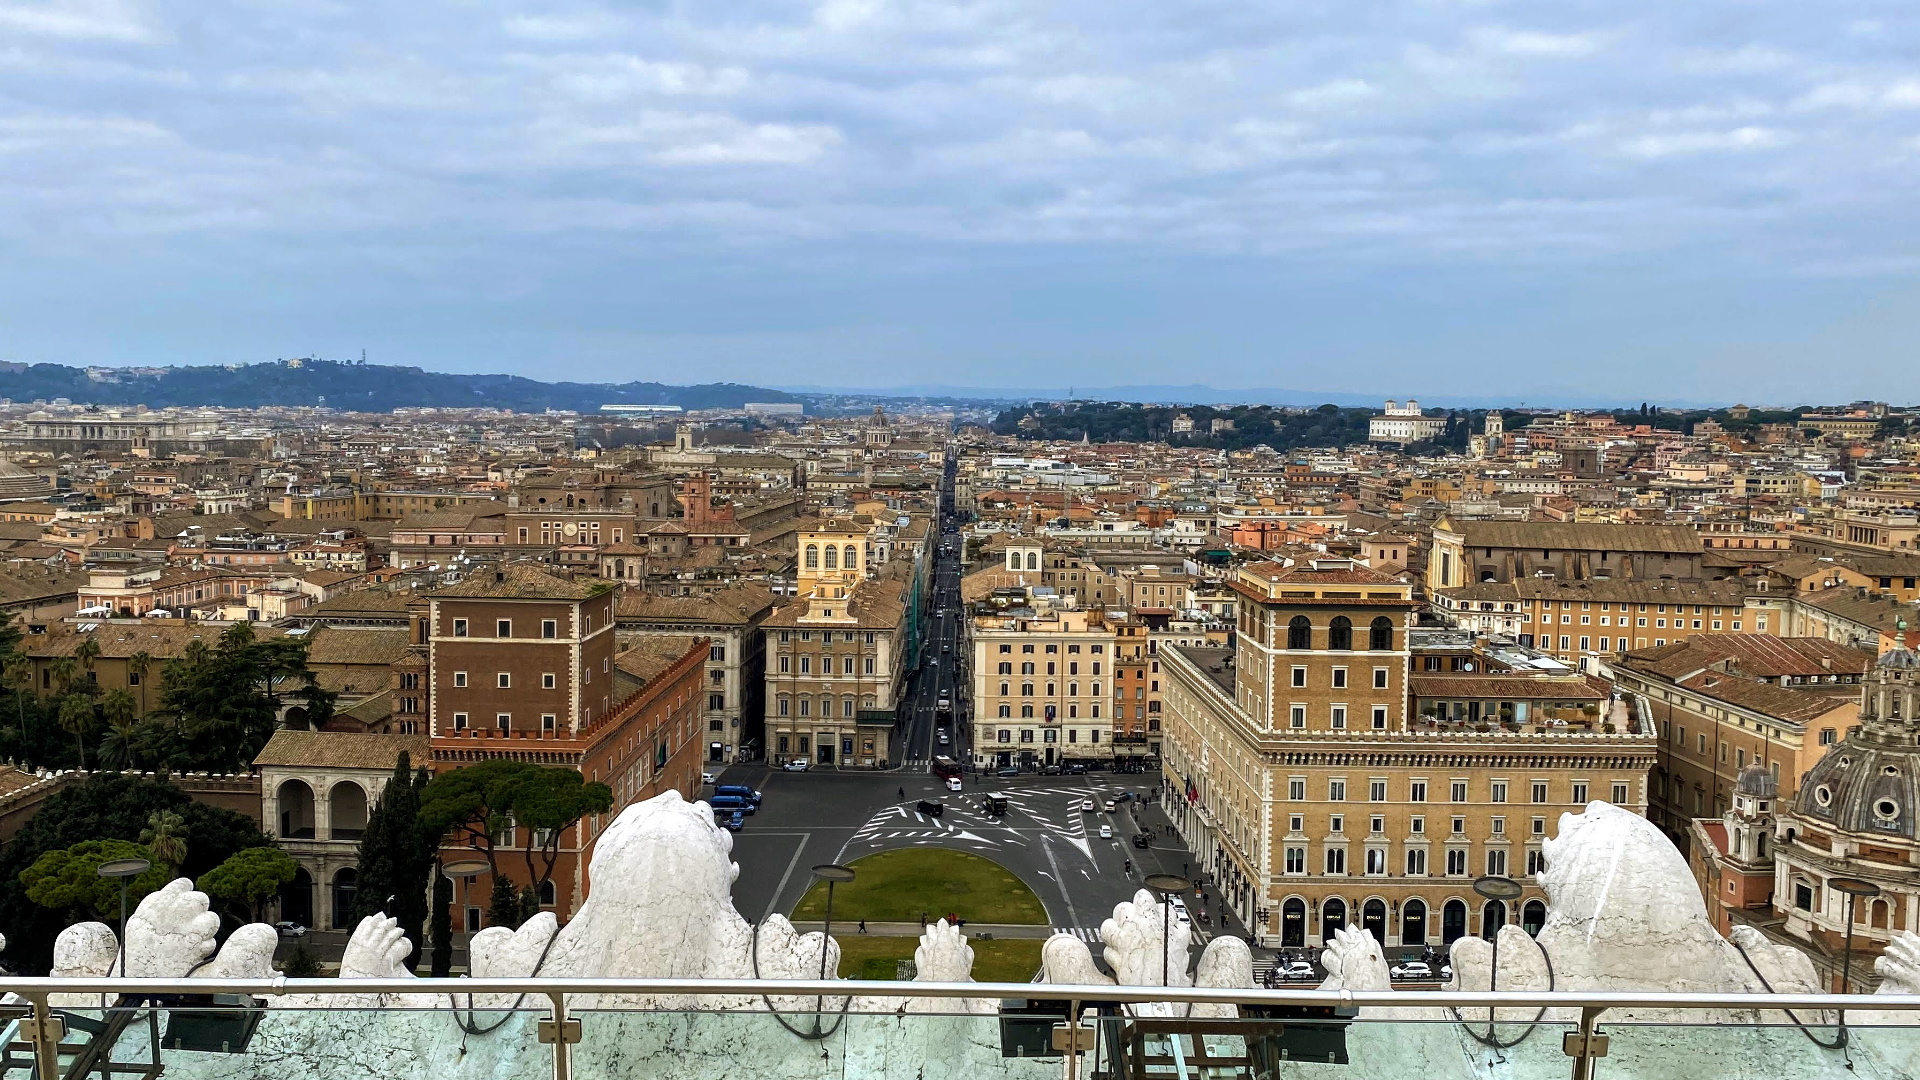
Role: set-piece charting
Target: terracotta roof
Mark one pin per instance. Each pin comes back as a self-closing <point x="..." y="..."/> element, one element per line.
<point x="652" y="655"/>
<point x="162" y="639"/>
<point x="737" y="604"/>
<point x="1752" y="655"/>
<point x="1781" y="702"/>
<point x="341" y="750"/>
<point x="1578" y="536"/>
<point x="347" y="645"/>
<point x="514" y="582"/>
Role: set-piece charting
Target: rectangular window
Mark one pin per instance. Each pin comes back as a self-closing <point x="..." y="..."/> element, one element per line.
<point x="1580" y="793"/>
<point x="1497" y="862"/>
<point x="1338" y="718"/>
<point x="1336" y="791"/>
<point x="1336" y="860"/>
<point x="1297" y="789"/>
<point x="1296" y="860"/>
<point x="459" y="721"/>
<point x="1379" y="678"/>
<point x="1417" y="791"/>
<point x="1416" y="862"/>
<point x="459" y="628"/>
<point x="547" y="721"/>
<point x="503" y="721"/>
<point x="1499" y="826"/>
<point x="1297" y="716"/>
<point x="1619" y="794"/>
<point x="1417" y="824"/>
<point x="1379" y="718"/>
<point x="550" y="628"/>
<point x="459" y="678"/>
<point x="1536" y="862"/>
<point x="1339" y="678"/>
<point x="1456" y="862"/>
<point x="1459" y="791"/>
<point x="1299" y="676"/>
<point x="1499" y="791"/>
<point x="1377" y="791"/>
<point x="1296" y="822"/>
<point x="1539" y="791"/>
<point x="503" y="680"/>
<point x="503" y="628"/>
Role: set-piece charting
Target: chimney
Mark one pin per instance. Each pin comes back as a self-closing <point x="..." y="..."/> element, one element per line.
<point x="499" y="575"/>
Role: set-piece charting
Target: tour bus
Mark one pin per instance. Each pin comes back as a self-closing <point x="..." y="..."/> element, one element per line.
<point x="945" y="766"/>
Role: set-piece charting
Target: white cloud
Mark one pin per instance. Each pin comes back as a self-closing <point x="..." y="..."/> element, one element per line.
<point x="1536" y="43"/>
<point x="1739" y="140"/>
<point x="102" y="20"/>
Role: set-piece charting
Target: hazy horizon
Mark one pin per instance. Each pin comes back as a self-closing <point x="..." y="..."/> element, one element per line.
<point x="1468" y="200"/>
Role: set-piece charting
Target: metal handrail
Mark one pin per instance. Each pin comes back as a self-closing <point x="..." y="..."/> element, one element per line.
<point x="32" y="988"/>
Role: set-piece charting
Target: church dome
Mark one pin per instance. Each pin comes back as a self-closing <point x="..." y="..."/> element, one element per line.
<point x="1757" y="781"/>
<point x="1864" y="785"/>
<point x="1899" y="660"/>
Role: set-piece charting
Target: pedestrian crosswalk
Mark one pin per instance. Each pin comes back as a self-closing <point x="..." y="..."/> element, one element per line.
<point x="1088" y="934"/>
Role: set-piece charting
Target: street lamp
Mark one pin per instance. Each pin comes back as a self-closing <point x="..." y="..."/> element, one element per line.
<point x="833" y="874"/>
<point x="1854" y="888"/>
<point x="1168" y="886"/>
<point x="125" y="870"/>
<point x="1505" y="890"/>
<point x="464" y="872"/>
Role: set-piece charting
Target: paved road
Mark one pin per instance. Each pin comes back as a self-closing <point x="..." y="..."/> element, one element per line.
<point x="942" y="671"/>
<point x="1045" y="837"/>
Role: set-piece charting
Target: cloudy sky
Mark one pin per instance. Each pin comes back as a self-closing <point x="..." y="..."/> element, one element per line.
<point x="1705" y="201"/>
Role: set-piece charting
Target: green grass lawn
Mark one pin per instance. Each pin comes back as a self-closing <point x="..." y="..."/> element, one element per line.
<point x="900" y="885"/>
<point x="864" y="956"/>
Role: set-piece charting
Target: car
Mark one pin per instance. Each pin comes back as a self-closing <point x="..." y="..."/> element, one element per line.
<point x="944" y="647"/>
<point x="1180" y="911"/>
<point x="739" y="791"/>
<point x="1296" y="971"/>
<point x="1007" y="770"/>
<point x="944" y="704"/>
<point x="953" y="783"/>
<point x="943" y="737"/>
<point x="930" y="807"/>
<point x="1051" y="770"/>
<point x="1088" y="806"/>
<point x="706" y="778"/>
<point x="933" y="661"/>
<point x="1077" y="769"/>
<point x="289" y="928"/>
<point x="1112" y="806"/>
<point x="734" y="822"/>
<point x="1411" y="969"/>
<point x="1106" y="832"/>
<point x="1142" y="840"/>
<point x="796" y="765"/>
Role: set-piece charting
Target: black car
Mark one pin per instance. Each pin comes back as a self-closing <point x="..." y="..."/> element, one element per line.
<point x="1141" y="840"/>
<point x="930" y="808"/>
<point x="1051" y="770"/>
<point x="1076" y="769"/>
<point x="1007" y="770"/>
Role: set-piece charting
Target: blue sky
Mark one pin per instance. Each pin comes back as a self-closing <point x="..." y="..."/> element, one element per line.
<point x="1707" y="201"/>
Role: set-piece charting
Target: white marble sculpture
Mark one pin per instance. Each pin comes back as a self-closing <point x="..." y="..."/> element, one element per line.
<point x="170" y="932"/>
<point x="87" y="950"/>
<point x="1139" y="939"/>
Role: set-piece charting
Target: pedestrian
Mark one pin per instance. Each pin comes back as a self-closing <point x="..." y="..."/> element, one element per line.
<point x="863" y="926"/>
<point x="1129" y="866"/>
<point x="903" y="794"/>
<point x="923" y="920"/>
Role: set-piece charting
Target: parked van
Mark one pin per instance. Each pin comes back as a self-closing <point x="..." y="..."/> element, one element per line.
<point x="723" y="804"/>
<point x="738" y="790"/>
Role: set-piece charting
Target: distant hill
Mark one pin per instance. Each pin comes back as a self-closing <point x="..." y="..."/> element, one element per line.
<point x="360" y="387"/>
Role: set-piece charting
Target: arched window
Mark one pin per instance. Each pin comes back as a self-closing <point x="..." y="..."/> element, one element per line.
<point x="1340" y="633"/>
<point x="849" y="558"/>
<point x="1373" y="917"/>
<point x="1413" y="922"/>
<point x="1492" y="918"/>
<point x="1299" y="633"/>
<point x="296" y="810"/>
<point x="347" y="810"/>
<point x="1533" y="917"/>
<point x="1333" y="916"/>
<point x="813" y="556"/>
<point x="547" y="897"/>
<point x="1293" y="923"/>
<point x="833" y="557"/>
<point x="1453" y="921"/>
<point x="1033" y="560"/>
<point x="1380" y="635"/>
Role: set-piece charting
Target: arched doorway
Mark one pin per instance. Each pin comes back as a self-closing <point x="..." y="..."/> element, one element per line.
<point x="296" y="898"/>
<point x="345" y="883"/>
<point x="1533" y="917"/>
<point x="1293" y="923"/>
<point x="1333" y="916"/>
<point x="296" y="810"/>
<point x="1492" y="918"/>
<point x="1453" y="921"/>
<point x="1413" y="922"/>
<point x="347" y="811"/>
<point x="296" y="719"/>
<point x="1373" y="916"/>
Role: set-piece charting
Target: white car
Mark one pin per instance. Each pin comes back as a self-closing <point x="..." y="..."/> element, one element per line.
<point x="1412" y="969"/>
<point x="796" y="765"/>
<point x="943" y="739"/>
<point x="1296" y="971"/>
<point x="289" y="928"/>
<point x="1106" y="832"/>
<point x="706" y="778"/>
<point x="1180" y="911"/>
<point x="1089" y="806"/>
<point x="953" y="783"/>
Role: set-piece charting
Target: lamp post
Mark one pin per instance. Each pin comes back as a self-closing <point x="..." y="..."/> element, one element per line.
<point x="1854" y="888"/>
<point x="1168" y="886"/>
<point x="1505" y="890"/>
<point x="464" y="872"/>
<point x="125" y="870"/>
<point x="833" y="874"/>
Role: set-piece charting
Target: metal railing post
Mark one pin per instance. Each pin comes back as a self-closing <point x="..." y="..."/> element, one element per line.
<point x="1586" y="1045"/>
<point x="45" y="1029"/>
<point x="562" y="1031"/>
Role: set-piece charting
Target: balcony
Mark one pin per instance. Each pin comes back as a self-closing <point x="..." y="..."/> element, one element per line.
<point x="803" y="1029"/>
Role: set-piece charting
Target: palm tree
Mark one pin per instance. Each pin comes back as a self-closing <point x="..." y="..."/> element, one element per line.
<point x="87" y="651"/>
<point x="77" y="719"/>
<point x="18" y="675"/>
<point x="137" y="666"/>
<point x="166" y="836"/>
<point x="63" y="671"/>
<point x="120" y="710"/>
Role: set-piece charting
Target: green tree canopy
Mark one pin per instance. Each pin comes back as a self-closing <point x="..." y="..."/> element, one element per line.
<point x="109" y="806"/>
<point x="68" y="879"/>
<point x="249" y="878"/>
<point x="222" y="703"/>
<point x="397" y="854"/>
<point x="478" y="803"/>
